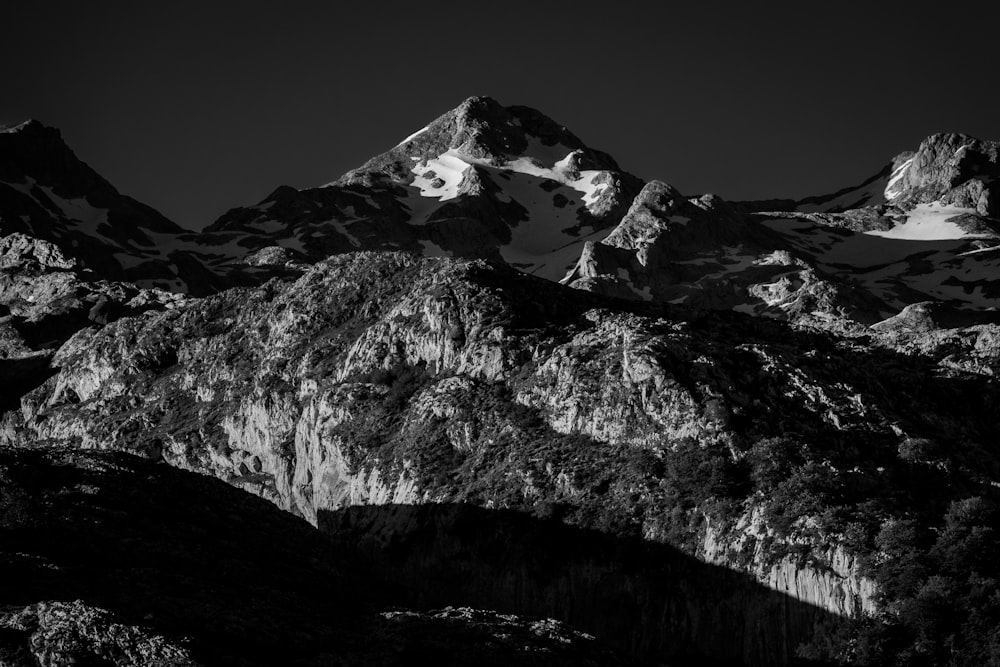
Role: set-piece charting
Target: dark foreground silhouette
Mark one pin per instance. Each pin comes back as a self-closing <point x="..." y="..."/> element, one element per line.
<point x="650" y="600"/>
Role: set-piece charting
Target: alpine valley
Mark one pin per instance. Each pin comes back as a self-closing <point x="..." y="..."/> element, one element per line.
<point x="491" y="399"/>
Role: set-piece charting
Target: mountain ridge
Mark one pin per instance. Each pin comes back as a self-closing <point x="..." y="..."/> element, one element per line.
<point x="492" y="317"/>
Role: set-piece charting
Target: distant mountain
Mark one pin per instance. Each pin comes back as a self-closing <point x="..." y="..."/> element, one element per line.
<point x="511" y="185"/>
<point x="47" y="193"/>
<point x="481" y="181"/>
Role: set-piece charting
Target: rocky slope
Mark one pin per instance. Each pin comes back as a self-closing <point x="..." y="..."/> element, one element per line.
<point x="385" y="378"/>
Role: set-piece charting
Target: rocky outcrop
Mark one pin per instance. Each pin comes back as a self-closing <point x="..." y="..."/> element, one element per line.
<point x="259" y="388"/>
<point x="958" y="339"/>
<point x="50" y="634"/>
<point x="704" y="253"/>
<point x="47" y="298"/>
<point x="22" y="251"/>
<point x="952" y="169"/>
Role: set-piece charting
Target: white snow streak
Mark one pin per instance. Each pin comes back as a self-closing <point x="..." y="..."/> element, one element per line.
<point x="413" y="136"/>
<point x="897" y="175"/>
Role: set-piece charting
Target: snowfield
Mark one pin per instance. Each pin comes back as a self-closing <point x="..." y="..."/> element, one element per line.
<point x="929" y="222"/>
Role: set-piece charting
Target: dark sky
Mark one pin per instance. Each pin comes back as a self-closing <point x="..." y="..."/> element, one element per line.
<point x="198" y="107"/>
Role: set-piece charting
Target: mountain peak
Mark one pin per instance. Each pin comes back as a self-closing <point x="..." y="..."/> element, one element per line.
<point x="483" y="131"/>
<point x="478" y="104"/>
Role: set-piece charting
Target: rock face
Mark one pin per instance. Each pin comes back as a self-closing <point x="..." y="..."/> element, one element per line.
<point x="848" y="259"/>
<point x="953" y="169"/>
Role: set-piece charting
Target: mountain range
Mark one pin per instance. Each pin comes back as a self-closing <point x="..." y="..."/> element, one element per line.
<point x="510" y="397"/>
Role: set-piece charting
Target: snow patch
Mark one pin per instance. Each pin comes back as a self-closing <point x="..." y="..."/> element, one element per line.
<point x="980" y="250"/>
<point x="449" y="167"/>
<point x="432" y="249"/>
<point x="929" y="222"/>
<point x="540" y="245"/>
<point x="561" y="172"/>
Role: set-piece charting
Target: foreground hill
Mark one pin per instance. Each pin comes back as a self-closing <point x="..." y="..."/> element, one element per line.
<point x="108" y="559"/>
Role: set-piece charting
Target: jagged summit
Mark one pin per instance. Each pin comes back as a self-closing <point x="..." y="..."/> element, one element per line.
<point x="509" y="184"/>
<point x="482" y="131"/>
